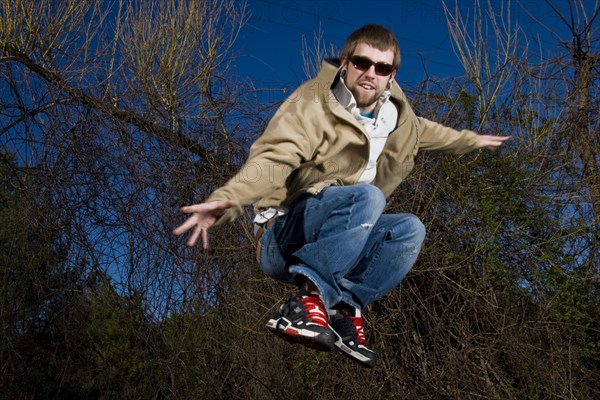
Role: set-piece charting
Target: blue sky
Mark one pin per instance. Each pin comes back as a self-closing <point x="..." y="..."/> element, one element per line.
<point x="269" y="48"/>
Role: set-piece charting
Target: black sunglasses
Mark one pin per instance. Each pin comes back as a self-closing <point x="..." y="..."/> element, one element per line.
<point x="362" y="63"/>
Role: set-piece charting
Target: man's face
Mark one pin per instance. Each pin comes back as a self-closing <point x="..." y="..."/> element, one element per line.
<point x="365" y="84"/>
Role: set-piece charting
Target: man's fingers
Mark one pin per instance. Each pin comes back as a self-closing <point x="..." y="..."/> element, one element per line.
<point x="204" y="208"/>
<point x="498" y="140"/>
<point x="202" y="217"/>
<point x="501" y="138"/>
<point x="221" y="204"/>
<point x="186" y="226"/>
<point x="194" y="237"/>
<point x="492" y="142"/>
<point x="204" y="234"/>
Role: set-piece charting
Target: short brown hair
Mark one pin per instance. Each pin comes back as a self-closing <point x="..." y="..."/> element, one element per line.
<point x="374" y="35"/>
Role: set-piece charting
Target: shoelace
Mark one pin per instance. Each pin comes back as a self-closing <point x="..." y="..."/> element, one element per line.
<point x="359" y="327"/>
<point x="315" y="310"/>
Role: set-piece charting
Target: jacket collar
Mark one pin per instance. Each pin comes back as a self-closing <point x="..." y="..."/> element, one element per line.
<point x="347" y="100"/>
<point x="328" y="77"/>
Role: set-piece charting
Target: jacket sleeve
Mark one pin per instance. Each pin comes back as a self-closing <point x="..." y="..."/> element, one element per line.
<point x="281" y="148"/>
<point x="435" y="136"/>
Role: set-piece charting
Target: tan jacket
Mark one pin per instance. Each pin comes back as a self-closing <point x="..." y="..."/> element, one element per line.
<point x="312" y="142"/>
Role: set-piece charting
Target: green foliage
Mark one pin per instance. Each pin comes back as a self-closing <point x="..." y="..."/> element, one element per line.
<point x="468" y="103"/>
<point x="32" y="286"/>
<point x="569" y="304"/>
<point x="120" y="362"/>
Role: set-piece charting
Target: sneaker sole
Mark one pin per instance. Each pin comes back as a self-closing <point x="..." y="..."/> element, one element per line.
<point x="323" y="341"/>
<point x="353" y="354"/>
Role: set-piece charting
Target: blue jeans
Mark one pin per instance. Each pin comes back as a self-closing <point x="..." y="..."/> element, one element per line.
<point x="341" y="240"/>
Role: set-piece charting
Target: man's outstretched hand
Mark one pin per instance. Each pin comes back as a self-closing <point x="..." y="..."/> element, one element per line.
<point x="491" y="142"/>
<point x="203" y="216"/>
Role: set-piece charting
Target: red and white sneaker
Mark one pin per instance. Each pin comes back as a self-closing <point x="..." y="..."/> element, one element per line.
<point x="303" y="319"/>
<point x="349" y="328"/>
